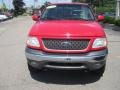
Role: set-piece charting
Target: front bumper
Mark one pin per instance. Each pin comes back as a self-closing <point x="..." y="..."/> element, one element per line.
<point x="92" y="60"/>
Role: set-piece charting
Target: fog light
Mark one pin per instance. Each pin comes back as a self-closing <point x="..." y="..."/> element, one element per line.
<point x="100" y="58"/>
<point x="35" y="64"/>
<point x="98" y="64"/>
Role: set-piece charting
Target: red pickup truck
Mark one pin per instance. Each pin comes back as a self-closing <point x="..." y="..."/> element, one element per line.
<point x="67" y="36"/>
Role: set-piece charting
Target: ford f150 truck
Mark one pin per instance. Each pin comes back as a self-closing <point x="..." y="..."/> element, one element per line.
<point x="67" y="36"/>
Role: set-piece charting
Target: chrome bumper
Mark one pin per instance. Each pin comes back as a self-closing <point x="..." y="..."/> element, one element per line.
<point x="92" y="60"/>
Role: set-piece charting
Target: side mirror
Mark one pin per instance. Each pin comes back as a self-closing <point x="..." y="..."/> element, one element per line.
<point x="100" y="18"/>
<point x="35" y="17"/>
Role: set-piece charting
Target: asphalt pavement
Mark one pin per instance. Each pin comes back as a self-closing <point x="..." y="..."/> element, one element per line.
<point x="14" y="73"/>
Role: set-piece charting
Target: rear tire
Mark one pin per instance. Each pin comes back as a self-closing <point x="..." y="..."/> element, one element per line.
<point x="99" y="71"/>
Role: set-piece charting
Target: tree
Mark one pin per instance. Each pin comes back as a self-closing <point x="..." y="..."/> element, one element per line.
<point x="18" y="7"/>
<point x="79" y="0"/>
<point x="4" y="7"/>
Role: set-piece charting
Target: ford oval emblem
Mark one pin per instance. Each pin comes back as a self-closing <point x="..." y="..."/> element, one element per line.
<point x="68" y="59"/>
<point x="66" y="44"/>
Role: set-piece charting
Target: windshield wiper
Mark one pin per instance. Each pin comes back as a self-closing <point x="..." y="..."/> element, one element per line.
<point x="51" y="18"/>
<point x="79" y="19"/>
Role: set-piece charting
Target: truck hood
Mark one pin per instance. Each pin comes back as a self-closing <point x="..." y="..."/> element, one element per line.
<point x="63" y="28"/>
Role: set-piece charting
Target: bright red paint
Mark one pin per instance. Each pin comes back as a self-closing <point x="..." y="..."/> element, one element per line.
<point x="35" y="18"/>
<point x="101" y="18"/>
<point x="61" y="28"/>
<point x="67" y="29"/>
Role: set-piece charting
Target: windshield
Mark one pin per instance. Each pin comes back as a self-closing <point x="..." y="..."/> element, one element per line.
<point x="68" y="12"/>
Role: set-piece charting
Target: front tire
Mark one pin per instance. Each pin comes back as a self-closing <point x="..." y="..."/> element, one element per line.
<point x="34" y="70"/>
<point x="99" y="71"/>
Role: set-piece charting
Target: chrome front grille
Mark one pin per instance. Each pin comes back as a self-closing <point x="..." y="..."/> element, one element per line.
<point x="61" y="44"/>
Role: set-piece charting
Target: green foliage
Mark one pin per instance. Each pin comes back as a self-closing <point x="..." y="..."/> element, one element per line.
<point x="19" y="7"/>
<point x="110" y="20"/>
<point x="104" y="9"/>
<point x="102" y="5"/>
<point x="3" y="7"/>
<point x="109" y="6"/>
<point x="79" y="0"/>
<point x="98" y="2"/>
<point x="117" y="22"/>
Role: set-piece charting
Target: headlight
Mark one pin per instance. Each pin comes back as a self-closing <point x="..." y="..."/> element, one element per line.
<point x="33" y="41"/>
<point x="99" y="42"/>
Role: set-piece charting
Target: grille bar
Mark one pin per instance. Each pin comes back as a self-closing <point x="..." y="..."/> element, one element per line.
<point x="61" y="44"/>
<point x="64" y="64"/>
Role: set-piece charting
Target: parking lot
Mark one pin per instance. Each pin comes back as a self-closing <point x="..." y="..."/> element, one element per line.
<point x="14" y="73"/>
